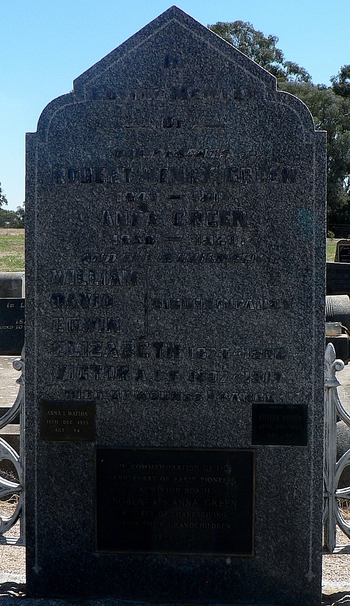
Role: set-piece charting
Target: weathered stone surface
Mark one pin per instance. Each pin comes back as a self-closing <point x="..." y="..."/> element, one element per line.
<point x="175" y="262"/>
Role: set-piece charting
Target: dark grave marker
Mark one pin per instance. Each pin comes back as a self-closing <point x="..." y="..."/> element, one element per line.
<point x="12" y="284"/>
<point x="11" y="326"/>
<point x="337" y="278"/>
<point x="342" y="254"/>
<point x="175" y="264"/>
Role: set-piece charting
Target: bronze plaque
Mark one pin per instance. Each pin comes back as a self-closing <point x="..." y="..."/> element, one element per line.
<point x="279" y="424"/>
<point x="68" y="421"/>
<point x="175" y="501"/>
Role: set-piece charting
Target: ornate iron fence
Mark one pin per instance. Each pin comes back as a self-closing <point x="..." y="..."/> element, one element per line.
<point x="333" y="469"/>
<point x="13" y="489"/>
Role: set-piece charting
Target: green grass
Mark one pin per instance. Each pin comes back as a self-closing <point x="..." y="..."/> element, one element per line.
<point x="12" y="250"/>
<point x="331" y="246"/>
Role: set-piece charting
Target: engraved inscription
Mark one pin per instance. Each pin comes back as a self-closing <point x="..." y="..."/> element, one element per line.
<point x="11" y="326"/>
<point x="209" y="257"/>
<point x="77" y="324"/>
<point x="180" y="501"/>
<point x="168" y="207"/>
<point x="141" y="348"/>
<point x="130" y="372"/>
<point x="214" y="304"/>
<point x="173" y="93"/>
<point x="280" y="424"/>
<point x="68" y="421"/>
<point x="87" y="277"/>
<point x="171" y="175"/>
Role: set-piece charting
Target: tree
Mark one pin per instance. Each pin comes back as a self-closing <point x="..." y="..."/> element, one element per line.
<point x="330" y="107"/>
<point x="3" y="199"/>
<point x="261" y="49"/>
<point x="341" y="82"/>
<point x="20" y="214"/>
<point x="330" y="112"/>
<point x="12" y="218"/>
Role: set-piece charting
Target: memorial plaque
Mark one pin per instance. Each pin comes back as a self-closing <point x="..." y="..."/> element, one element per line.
<point x="68" y="421"/>
<point x="280" y="424"/>
<point x="342" y="254"/>
<point x="11" y="326"/>
<point x="175" y="277"/>
<point x="175" y="501"/>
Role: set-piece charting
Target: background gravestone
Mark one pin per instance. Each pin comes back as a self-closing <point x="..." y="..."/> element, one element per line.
<point x="175" y="261"/>
<point x="11" y="326"/>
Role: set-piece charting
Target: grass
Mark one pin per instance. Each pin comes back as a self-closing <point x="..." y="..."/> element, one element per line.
<point x="331" y="246"/>
<point x="11" y="249"/>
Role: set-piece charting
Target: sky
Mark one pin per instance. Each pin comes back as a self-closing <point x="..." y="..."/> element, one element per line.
<point x="46" y="44"/>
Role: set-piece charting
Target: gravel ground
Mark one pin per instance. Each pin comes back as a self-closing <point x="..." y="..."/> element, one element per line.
<point x="336" y="575"/>
<point x="12" y="560"/>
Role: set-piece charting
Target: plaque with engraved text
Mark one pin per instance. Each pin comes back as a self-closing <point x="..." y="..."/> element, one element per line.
<point x="175" y="501"/>
<point x="68" y="421"/>
<point x="11" y="326"/>
<point x="279" y="424"/>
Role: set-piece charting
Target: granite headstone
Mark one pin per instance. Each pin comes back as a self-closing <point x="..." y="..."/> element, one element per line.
<point x="175" y="321"/>
<point x="337" y="278"/>
<point x="12" y="285"/>
<point x="342" y="253"/>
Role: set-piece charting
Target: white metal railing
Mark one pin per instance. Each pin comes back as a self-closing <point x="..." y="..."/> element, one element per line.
<point x="333" y="469"/>
<point x="8" y="487"/>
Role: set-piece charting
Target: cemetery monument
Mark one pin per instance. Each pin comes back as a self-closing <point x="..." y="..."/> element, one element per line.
<point x="175" y="330"/>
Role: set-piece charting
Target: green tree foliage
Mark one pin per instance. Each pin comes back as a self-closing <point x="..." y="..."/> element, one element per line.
<point x="3" y="199"/>
<point x="331" y="112"/>
<point x="12" y="218"/>
<point x="341" y="82"/>
<point x="330" y="107"/>
<point x="261" y="49"/>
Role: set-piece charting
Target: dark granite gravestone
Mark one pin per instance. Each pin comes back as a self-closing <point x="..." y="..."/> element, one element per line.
<point x="337" y="278"/>
<point x="175" y="247"/>
<point x="11" y="326"/>
<point x="342" y="254"/>
<point x="12" y="285"/>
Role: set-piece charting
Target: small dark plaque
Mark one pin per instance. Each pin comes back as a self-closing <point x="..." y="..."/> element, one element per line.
<point x="338" y="278"/>
<point x="343" y="251"/>
<point x="11" y="326"/>
<point x="180" y="501"/>
<point x="68" y="421"/>
<point x="344" y="254"/>
<point x="279" y="424"/>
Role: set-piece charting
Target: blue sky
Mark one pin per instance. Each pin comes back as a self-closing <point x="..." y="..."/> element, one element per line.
<point x="46" y="44"/>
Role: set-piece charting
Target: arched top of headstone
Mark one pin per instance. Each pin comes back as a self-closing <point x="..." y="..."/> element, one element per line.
<point x="163" y="61"/>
